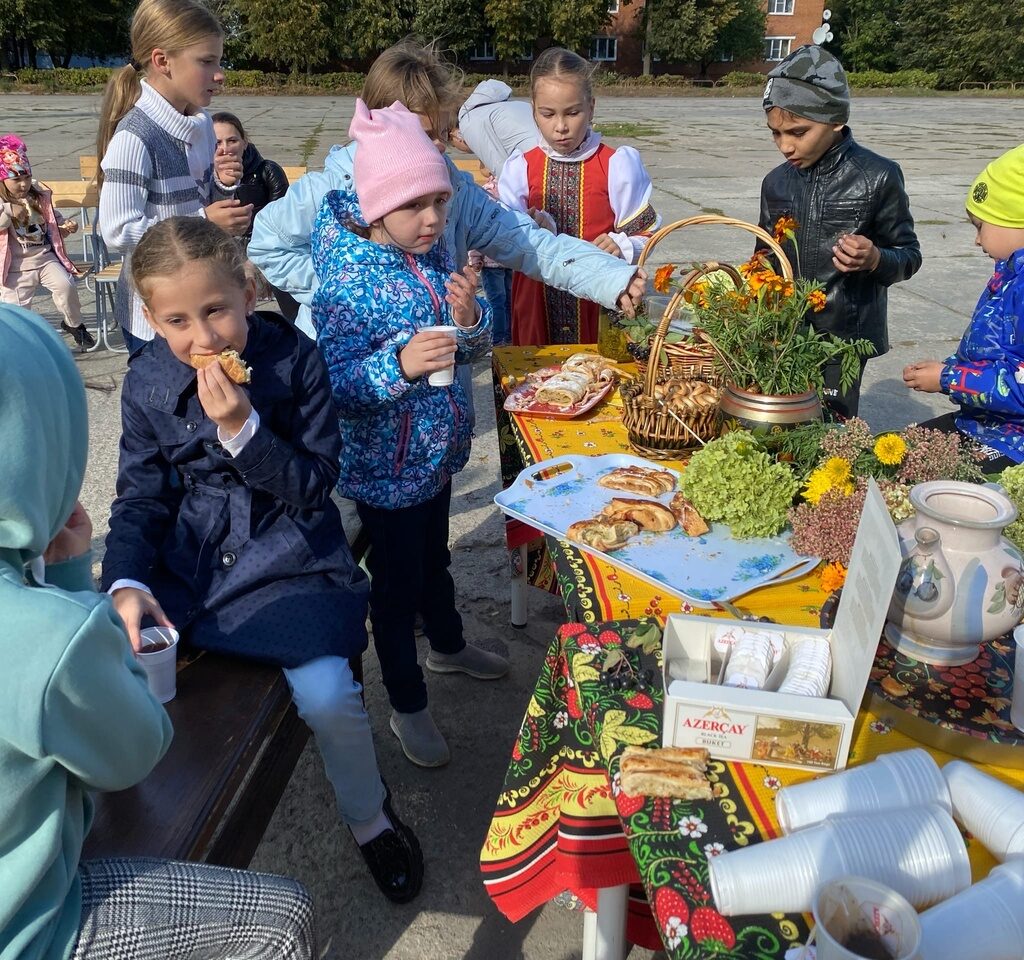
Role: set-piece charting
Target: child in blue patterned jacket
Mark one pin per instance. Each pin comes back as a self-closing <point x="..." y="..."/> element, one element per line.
<point x="986" y="374"/>
<point x="387" y="291"/>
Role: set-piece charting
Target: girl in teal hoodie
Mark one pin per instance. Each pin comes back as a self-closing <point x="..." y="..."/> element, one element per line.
<point x="76" y="715"/>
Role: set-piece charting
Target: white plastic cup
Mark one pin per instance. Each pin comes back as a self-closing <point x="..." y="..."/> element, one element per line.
<point x="985" y="922"/>
<point x="990" y="809"/>
<point x="903" y="779"/>
<point x="852" y="906"/>
<point x="161" y="666"/>
<point x="444" y="378"/>
<point x="778" y="875"/>
<point x="918" y="852"/>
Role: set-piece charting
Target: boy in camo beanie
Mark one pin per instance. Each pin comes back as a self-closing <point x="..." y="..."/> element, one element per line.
<point x="854" y="231"/>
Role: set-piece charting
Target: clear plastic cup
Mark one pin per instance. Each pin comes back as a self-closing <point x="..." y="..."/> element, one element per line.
<point x="161" y="661"/>
<point x="917" y="851"/>
<point x="990" y="809"/>
<point x="1017" y="703"/>
<point x="852" y="910"/>
<point x="985" y="922"/>
<point x="907" y="778"/>
<point x="446" y="377"/>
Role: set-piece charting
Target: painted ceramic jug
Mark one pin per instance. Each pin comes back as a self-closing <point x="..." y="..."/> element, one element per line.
<point x="960" y="583"/>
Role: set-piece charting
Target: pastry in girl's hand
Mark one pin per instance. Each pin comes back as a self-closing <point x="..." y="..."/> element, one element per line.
<point x="601" y="533"/>
<point x="231" y="363"/>
<point x="647" y="514"/>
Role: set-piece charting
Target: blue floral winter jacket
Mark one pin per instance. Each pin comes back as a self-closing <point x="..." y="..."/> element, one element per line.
<point x="986" y="374"/>
<point x="402" y="440"/>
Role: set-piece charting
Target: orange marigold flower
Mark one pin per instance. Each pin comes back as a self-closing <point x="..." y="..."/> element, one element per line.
<point x="816" y="300"/>
<point x="756" y="280"/>
<point x="784" y="227"/>
<point x="756" y="264"/>
<point x="833" y="577"/>
<point x="663" y="276"/>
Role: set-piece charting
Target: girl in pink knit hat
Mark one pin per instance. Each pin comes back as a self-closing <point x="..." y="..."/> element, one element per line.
<point x="32" y="233"/>
<point x="392" y="317"/>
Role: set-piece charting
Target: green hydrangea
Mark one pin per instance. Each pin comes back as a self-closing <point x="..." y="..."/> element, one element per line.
<point x="734" y="481"/>
<point x="1012" y="481"/>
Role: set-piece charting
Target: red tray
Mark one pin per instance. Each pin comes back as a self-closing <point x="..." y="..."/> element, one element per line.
<point x="520" y="399"/>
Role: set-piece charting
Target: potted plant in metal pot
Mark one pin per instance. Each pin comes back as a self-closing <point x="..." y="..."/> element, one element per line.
<point x="766" y="349"/>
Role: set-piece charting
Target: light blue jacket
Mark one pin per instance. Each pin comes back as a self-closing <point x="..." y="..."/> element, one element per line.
<point x="280" y="244"/>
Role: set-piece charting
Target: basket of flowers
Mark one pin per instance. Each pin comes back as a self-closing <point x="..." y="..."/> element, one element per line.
<point x="673" y="406"/>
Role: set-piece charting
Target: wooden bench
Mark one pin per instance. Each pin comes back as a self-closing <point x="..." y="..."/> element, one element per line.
<point x="88" y="167"/>
<point x="237" y="738"/>
<point x="472" y="165"/>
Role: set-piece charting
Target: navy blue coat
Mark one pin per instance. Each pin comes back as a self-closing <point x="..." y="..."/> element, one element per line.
<point x="246" y="555"/>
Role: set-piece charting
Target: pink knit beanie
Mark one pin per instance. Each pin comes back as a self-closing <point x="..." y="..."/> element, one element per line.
<point x="13" y="158"/>
<point x="395" y="161"/>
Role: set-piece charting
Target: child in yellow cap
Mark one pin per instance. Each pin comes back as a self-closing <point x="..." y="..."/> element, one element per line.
<point x="986" y="374"/>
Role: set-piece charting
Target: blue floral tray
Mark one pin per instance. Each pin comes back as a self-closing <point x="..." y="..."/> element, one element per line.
<point x="703" y="570"/>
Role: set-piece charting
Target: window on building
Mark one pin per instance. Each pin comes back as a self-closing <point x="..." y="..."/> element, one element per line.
<point x="613" y="6"/>
<point x="484" y="50"/>
<point x="724" y="56"/>
<point x="780" y="6"/>
<point x="777" y="48"/>
<point x="604" y="48"/>
<point x="527" y="54"/>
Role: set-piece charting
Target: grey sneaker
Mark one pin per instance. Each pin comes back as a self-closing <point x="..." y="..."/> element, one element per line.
<point x="469" y="660"/>
<point x="421" y="741"/>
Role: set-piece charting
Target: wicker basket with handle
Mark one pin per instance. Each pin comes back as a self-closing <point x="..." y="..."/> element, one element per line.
<point x="672" y="407"/>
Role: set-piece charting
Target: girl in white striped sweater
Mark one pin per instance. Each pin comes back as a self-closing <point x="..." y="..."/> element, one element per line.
<point x="156" y="142"/>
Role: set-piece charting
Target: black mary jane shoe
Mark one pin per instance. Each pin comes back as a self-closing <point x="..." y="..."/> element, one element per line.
<point x="81" y="336"/>
<point x="395" y="859"/>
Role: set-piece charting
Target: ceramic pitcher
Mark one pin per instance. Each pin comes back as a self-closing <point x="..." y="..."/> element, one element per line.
<point x="960" y="583"/>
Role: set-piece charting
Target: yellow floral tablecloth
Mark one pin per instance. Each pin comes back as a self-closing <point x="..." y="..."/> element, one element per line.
<point x="570" y="801"/>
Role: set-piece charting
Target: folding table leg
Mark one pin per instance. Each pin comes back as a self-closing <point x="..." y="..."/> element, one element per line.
<point x="604" y="930"/>
<point x="519" y="585"/>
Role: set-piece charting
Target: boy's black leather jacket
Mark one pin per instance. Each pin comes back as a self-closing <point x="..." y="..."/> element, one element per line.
<point x="849" y="190"/>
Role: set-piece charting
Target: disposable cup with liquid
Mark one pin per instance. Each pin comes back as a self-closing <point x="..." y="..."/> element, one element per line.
<point x="860" y="919"/>
<point x="158" y="656"/>
<point x="991" y="810"/>
<point x="984" y="922"/>
<point x="446" y="377"/>
<point x="917" y="851"/>
<point x="906" y="778"/>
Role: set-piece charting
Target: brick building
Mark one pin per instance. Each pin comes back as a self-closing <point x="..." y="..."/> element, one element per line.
<point x="620" y="47"/>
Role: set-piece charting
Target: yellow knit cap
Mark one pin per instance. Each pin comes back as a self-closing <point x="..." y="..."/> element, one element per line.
<point x="997" y="196"/>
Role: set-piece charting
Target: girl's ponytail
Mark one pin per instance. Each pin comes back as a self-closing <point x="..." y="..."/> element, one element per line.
<point x="171" y="25"/>
<point x="123" y="90"/>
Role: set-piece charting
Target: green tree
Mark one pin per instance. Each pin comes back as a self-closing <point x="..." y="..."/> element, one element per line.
<point x="514" y="26"/>
<point x="456" y="24"/>
<point x="867" y="34"/>
<point x="574" y="23"/>
<point x="371" y="26"/>
<point x="694" y="31"/>
<point x="963" y="40"/>
<point x="742" y="38"/>
<point x="297" y="34"/>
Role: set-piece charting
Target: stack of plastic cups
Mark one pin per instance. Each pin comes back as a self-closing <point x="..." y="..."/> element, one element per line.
<point x="988" y="808"/>
<point x="906" y="779"/>
<point x="852" y="905"/>
<point x="917" y="852"/>
<point x="985" y="922"/>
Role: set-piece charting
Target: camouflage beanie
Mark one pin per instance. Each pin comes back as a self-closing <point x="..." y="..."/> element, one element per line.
<point x="809" y="83"/>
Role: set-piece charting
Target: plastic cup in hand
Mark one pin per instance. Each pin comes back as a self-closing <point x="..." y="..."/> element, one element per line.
<point x="158" y="656"/>
<point x="860" y="919"/>
<point x="985" y="922"/>
<point x="904" y="779"/>
<point x="917" y="851"/>
<point x="444" y="378"/>
<point x="988" y="808"/>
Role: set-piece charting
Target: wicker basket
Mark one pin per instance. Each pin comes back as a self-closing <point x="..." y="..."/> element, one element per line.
<point x="659" y="429"/>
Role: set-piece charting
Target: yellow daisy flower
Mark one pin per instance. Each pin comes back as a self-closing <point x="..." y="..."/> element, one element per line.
<point x="817" y="484"/>
<point x="838" y="470"/>
<point x="890" y="448"/>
